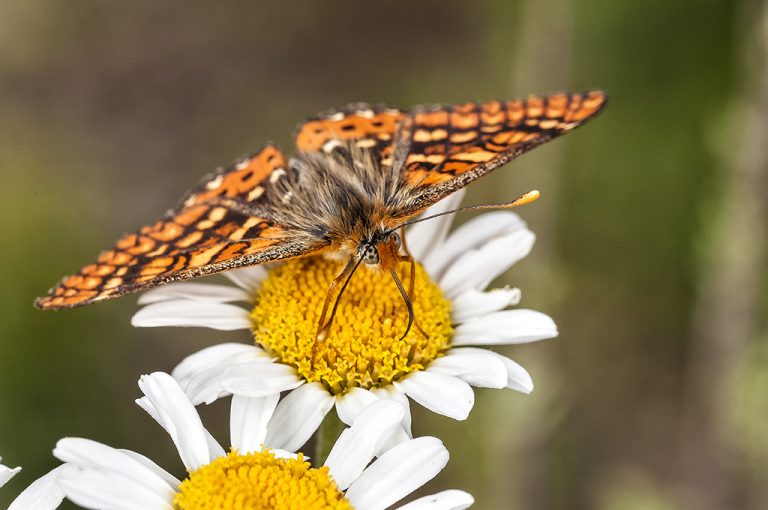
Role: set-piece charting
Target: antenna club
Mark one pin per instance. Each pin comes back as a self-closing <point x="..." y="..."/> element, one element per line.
<point x="527" y="198"/>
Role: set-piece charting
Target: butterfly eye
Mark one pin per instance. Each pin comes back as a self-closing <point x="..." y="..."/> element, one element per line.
<point x="371" y="255"/>
<point x="396" y="238"/>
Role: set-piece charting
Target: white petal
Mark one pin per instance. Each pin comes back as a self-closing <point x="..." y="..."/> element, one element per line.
<point x="397" y="473"/>
<point x="248" y="421"/>
<point x="171" y="480"/>
<point x="358" y="444"/>
<point x="108" y="490"/>
<point x="260" y="379"/>
<point x="298" y="416"/>
<point x="178" y="417"/>
<point x="471" y="235"/>
<point x="194" y="292"/>
<point x="518" y="378"/>
<point x="7" y="473"/>
<point x="206" y="385"/>
<point x="446" y="500"/>
<point x="221" y="316"/>
<point x="210" y="357"/>
<point x="478" y="367"/>
<point x="247" y="278"/>
<point x="88" y="454"/>
<point x="505" y="327"/>
<point x="42" y="494"/>
<point x="349" y="405"/>
<point x="473" y="304"/>
<point x="475" y="269"/>
<point x="439" y="393"/>
<point x="427" y="235"/>
<point x="390" y="391"/>
<point x="284" y="454"/>
<point x="214" y="447"/>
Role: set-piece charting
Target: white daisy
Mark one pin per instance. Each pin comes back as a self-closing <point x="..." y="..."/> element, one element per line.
<point x="42" y="494"/>
<point x="100" y="477"/>
<point x="363" y="359"/>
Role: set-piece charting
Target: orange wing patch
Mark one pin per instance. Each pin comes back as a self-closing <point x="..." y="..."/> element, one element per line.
<point x="451" y="146"/>
<point x="206" y="235"/>
<point x="371" y="126"/>
<point x="245" y="180"/>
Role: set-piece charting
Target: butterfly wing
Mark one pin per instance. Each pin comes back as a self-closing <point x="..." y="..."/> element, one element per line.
<point x="447" y="147"/>
<point x="370" y="126"/>
<point x="454" y="145"/>
<point x="211" y="231"/>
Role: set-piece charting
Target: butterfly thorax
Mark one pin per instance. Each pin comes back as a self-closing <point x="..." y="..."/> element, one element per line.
<point x="343" y="199"/>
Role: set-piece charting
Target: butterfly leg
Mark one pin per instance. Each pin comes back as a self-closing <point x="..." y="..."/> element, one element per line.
<point x="411" y="275"/>
<point x="324" y="326"/>
<point x="407" y="300"/>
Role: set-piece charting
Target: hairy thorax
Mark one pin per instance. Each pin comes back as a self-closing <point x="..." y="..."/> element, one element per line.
<point x="344" y="196"/>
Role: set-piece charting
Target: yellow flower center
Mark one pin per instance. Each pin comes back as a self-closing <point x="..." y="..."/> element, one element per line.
<point x="363" y="347"/>
<point x="259" y="481"/>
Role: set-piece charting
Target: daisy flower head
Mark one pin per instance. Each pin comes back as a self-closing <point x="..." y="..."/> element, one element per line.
<point x="42" y="494"/>
<point x="364" y="356"/>
<point x="249" y="475"/>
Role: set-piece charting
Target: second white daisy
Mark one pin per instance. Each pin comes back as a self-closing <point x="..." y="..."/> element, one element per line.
<point x="100" y="477"/>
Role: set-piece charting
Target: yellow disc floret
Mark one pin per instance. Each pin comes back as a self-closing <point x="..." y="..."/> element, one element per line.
<point x="259" y="481"/>
<point x="363" y="347"/>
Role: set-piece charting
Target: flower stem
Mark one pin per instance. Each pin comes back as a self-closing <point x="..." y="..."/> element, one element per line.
<point x="327" y="434"/>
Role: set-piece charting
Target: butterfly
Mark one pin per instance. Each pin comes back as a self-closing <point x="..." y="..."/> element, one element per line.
<point x="359" y="175"/>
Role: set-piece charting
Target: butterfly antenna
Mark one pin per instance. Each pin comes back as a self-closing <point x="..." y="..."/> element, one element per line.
<point x="346" y="274"/>
<point x="525" y="199"/>
<point x="407" y="300"/>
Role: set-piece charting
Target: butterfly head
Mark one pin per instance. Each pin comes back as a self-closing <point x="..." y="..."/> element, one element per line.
<point x="382" y="251"/>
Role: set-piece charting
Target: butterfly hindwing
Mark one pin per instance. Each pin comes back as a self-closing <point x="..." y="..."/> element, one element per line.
<point x="370" y="126"/>
<point x="211" y="231"/>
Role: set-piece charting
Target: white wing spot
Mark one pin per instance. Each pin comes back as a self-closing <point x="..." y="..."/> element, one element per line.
<point x="330" y="145"/>
<point x="215" y="183"/>
<point x="276" y="174"/>
<point x="368" y="114"/>
<point x="242" y="164"/>
<point x="255" y="193"/>
<point x="336" y="116"/>
<point x="366" y="143"/>
<point x="217" y="213"/>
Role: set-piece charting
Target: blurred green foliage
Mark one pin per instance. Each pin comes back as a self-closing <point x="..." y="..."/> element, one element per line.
<point x="110" y="111"/>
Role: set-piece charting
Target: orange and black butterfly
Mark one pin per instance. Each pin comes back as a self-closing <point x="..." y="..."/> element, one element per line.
<point x="358" y="176"/>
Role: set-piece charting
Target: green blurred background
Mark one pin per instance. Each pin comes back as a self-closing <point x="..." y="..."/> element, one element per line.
<point x="651" y="252"/>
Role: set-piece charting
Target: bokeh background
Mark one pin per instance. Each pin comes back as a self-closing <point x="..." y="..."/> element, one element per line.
<point x="651" y="251"/>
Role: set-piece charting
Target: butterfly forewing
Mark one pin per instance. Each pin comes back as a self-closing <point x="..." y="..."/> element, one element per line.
<point x="452" y="146"/>
<point x="208" y="233"/>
